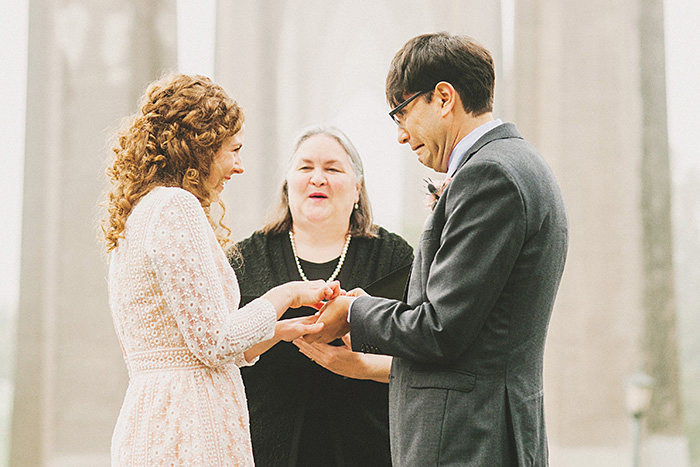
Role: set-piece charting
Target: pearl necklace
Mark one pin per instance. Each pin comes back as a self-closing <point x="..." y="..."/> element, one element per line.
<point x="337" y="268"/>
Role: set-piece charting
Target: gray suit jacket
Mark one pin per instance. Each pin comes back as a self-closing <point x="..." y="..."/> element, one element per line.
<point x="466" y="382"/>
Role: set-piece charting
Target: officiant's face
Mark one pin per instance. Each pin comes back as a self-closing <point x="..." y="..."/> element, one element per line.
<point x="321" y="184"/>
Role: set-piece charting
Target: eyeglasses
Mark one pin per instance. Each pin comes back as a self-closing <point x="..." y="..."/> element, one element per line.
<point x="402" y="106"/>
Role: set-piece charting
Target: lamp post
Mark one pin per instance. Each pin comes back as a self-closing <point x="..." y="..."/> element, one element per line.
<point x="637" y="397"/>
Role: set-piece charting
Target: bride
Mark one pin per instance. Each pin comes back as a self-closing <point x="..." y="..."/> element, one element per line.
<point x="173" y="296"/>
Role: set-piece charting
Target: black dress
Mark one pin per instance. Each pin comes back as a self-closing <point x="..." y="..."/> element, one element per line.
<point x="300" y="413"/>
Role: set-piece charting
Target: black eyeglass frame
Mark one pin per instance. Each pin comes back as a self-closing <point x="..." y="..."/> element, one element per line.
<point x="402" y="106"/>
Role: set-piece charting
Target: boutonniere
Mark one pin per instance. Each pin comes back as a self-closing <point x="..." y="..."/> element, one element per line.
<point x="435" y="190"/>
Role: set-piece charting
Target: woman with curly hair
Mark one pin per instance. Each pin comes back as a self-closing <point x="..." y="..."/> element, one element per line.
<point x="174" y="298"/>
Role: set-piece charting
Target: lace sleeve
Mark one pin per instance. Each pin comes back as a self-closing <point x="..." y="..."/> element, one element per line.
<point x="182" y="251"/>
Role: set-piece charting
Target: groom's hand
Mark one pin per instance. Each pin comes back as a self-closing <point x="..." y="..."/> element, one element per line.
<point x="334" y="316"/>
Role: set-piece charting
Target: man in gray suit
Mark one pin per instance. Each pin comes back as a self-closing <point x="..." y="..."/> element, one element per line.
<point x="466" y="379"/>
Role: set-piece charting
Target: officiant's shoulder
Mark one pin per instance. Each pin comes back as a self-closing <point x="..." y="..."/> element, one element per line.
<point x="387" y="242"/>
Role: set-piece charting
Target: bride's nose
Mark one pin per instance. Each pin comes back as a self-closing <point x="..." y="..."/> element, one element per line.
<point x="238" y="165"/>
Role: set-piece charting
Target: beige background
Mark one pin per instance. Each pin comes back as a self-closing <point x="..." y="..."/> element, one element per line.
<point x="570" y="74"/>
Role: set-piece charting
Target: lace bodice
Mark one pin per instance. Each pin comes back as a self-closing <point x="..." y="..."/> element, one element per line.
<point x="174" y="301"/>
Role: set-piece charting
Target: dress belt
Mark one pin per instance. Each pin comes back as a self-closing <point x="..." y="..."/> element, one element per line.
<point x="163" y="360"/>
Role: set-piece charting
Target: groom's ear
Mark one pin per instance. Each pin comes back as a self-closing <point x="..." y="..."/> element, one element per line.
<point x="447" y="97"/>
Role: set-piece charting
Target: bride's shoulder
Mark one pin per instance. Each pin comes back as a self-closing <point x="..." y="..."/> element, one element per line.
<point x="170" y="195"/>
<point x="167" y="203"/>
<point x="170" y="192"/>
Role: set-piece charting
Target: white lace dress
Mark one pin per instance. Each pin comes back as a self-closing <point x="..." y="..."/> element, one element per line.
<point x="174" y="301"/>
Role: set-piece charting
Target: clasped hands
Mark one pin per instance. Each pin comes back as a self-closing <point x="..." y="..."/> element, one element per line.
<point x="334" y="317"/>
<point x="331" y="321"/>
<point x="329" y="324"/>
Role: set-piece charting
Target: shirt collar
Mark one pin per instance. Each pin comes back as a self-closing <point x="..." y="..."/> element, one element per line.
<point x="466" y="143"/>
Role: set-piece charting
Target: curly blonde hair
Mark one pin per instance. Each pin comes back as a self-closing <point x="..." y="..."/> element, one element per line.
<point x="171" y="141"/>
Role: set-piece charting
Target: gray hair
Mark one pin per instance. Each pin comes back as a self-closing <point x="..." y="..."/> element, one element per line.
<point x="341" y="138"/>
<point x="280" y="219"/>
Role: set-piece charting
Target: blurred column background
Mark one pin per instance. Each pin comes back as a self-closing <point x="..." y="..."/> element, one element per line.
<point x="585" y="82"/>
<point x="88" y="62"/>
<point x="590" y="93"/>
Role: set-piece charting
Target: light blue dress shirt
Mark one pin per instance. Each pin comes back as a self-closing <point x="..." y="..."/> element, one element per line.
<point x="466" y="143"/>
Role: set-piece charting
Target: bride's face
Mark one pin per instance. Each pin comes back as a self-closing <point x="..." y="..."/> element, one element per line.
<point x="321" y="183"/>
<point x="227" y="162"/>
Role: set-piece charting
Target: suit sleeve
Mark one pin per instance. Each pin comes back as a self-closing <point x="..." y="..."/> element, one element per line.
<point x="467" y="264"/>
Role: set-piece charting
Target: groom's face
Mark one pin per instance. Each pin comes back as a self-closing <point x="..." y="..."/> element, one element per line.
<point x="422" y="128"/>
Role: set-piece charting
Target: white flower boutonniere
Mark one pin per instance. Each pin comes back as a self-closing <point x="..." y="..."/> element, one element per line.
<point x="435" y="190"/>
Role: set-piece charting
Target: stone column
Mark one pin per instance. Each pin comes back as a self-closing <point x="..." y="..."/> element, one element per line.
<point x="587" y="76"/>
<point x="660" y="345"/>
<point x="247" y="56"/>
<point x="88" y="63"/>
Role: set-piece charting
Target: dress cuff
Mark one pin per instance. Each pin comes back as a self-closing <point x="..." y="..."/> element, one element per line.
<point x="269" y="319"/>
<point x="269" y="314"/>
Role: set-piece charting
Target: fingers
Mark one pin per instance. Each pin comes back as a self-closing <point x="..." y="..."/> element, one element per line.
<point x="312" y="338"/>
<point x="333" y="290"/>
<point x="346" y="340"/>
<point x="289" y="329"/>
<point x="314" y="293"/>
<point x="339" y="360"/>
<point x="334" y="325"/>
<point x="310" y="319"/>
<point x="313" y="328"/>
<point x="323" y="354"/>
<point x="324" y="306"/>
<point x="302" y="344"/>
<point x="318" y="305"/>
<point x="307" y="349"/>
<point x="357" y="292"/>
<point x="324" y="336"/>
<point x="324" y="292"/>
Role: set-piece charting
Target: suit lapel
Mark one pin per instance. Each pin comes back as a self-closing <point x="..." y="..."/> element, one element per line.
<point x="506" y="130"/>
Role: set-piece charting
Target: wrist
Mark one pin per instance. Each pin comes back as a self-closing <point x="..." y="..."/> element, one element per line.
<point x="280" y="297"/>
<point x="290" y="297"/>
<point x="279" y="327"/>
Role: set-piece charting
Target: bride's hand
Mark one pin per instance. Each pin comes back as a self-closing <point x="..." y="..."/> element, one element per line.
<point x="313" y="293"/>
<point x="296" y="294"/>
<point x="290" y="329"/>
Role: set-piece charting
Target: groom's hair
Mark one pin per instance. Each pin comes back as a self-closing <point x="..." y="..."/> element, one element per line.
<point x="429" y="59"/>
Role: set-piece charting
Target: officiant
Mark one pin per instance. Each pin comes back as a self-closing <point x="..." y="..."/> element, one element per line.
<point x="321" y="405"/>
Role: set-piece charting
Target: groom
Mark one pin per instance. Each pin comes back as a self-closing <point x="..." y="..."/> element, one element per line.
<point x="466" y="380"/>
